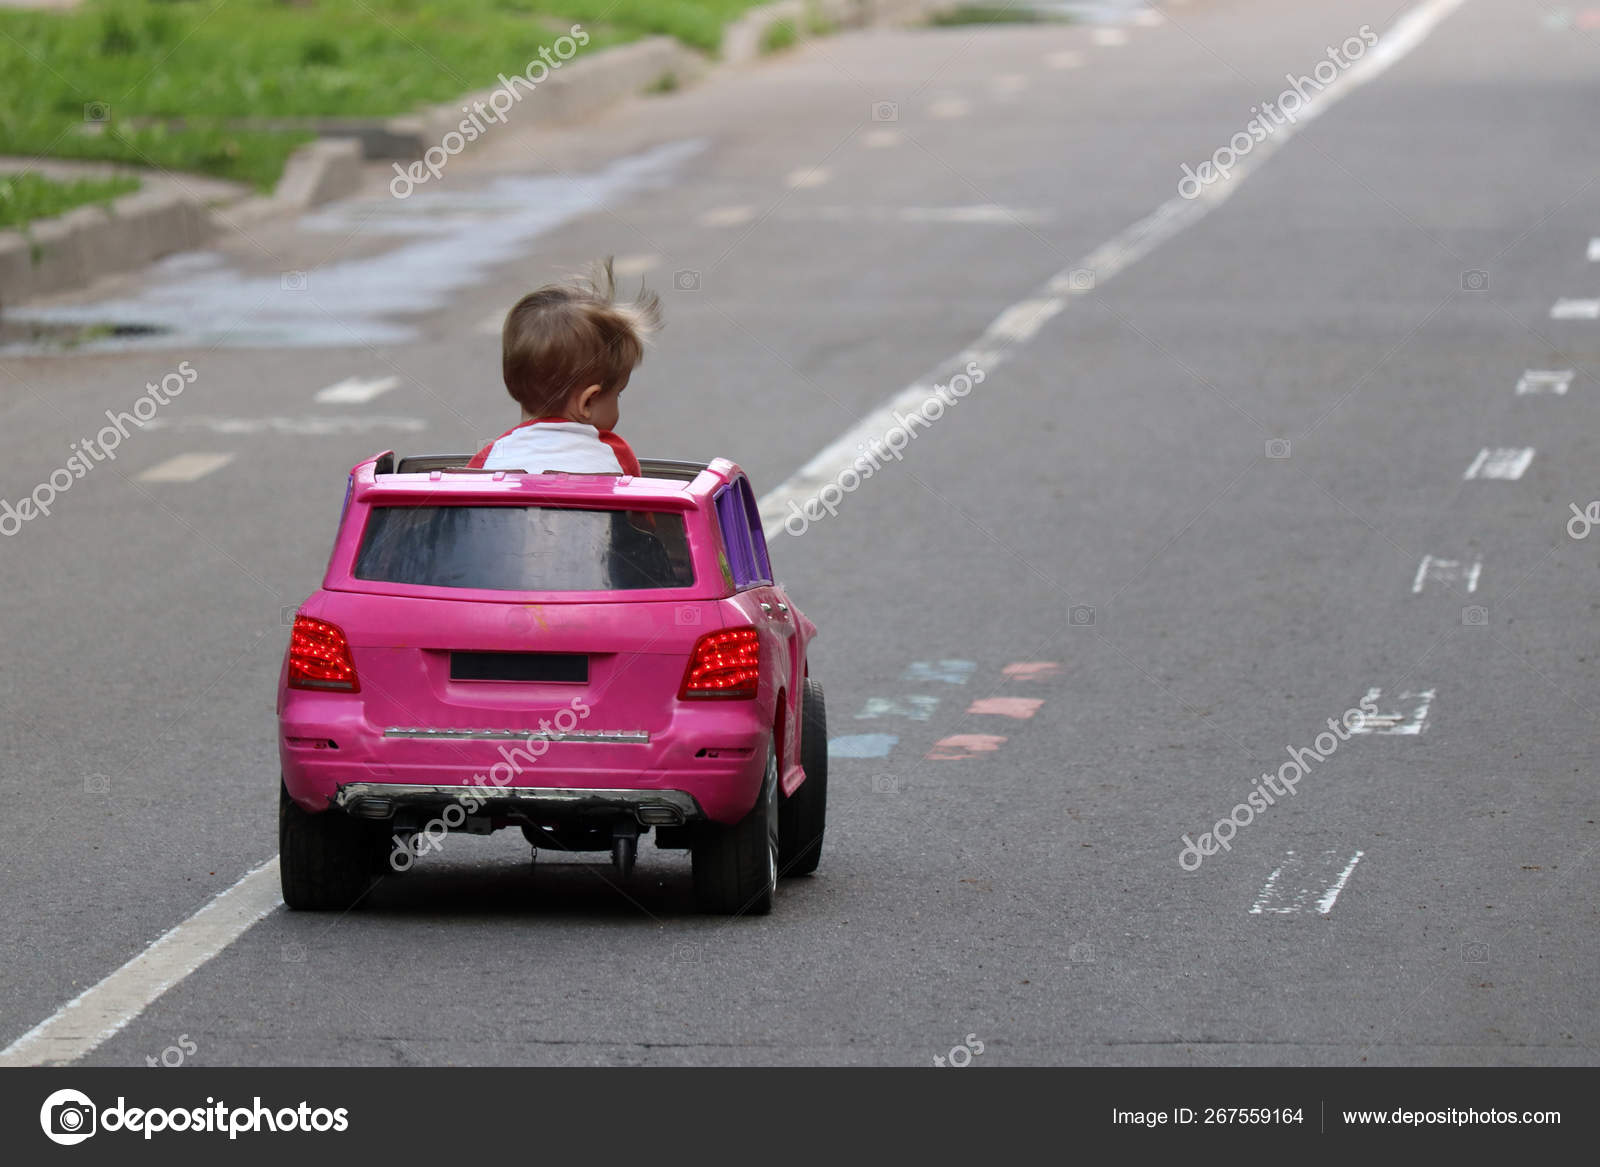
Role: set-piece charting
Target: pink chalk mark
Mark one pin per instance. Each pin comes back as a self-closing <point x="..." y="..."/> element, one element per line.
<point x="963" y="745"/>
<point x="1021" y="708"/>
<point x="1031" y="670"/>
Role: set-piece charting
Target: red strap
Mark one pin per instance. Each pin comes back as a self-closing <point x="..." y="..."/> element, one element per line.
<point x="623" y="451"/>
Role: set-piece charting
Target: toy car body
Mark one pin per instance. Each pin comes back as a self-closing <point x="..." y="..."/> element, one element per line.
<point x="587" y="657"/>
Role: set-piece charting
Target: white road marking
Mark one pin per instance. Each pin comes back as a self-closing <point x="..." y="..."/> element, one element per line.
<point x="727" y="216"/>
<point x="1134" y="243"/>
<point x="1064" y="59"/>
<point x="1555" y="381"/>
<point x="1446" y="572"/>
<point x="630" y="267"/>
<point x="102" y="1010"/>
<point x="1008" y="85"/>
<point x="880" y="139"/>
<point x="185" y="468"/>
<point x="983" y="214"/>
<point x="1594" y="251"/>
<point x="1111" y="258"/>
<point x="807" y="177"/>
<point x="1502" y="462"/>
<point x="1405" y="724"/>
<point x="950" y="107"/>
<point x="1149" y="18"/>
<point x="1575" y="310"/>
<point x="1109" y="38"/>
<point x="312" y="425"/>
<point x="355" y="390"/>
<point x="1021" y="322"/>
<point x="491" y="325"/>
<point x="1293" y="882"/>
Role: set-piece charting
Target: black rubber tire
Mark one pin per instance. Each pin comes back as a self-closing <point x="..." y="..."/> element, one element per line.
<point x="803" y="816"/>
<point x="326" y="861"/>
<point x="736" y="868"/>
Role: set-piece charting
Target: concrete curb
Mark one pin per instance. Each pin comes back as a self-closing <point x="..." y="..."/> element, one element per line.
<point x="57" y="255"/>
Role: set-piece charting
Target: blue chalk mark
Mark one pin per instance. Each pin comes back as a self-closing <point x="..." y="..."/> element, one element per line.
<point x="952" y="672"/>
<point x="862" y="745"/>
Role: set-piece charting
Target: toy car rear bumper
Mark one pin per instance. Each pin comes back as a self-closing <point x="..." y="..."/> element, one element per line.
<point x="650" y="808"/>
<point x="708" y="761"/>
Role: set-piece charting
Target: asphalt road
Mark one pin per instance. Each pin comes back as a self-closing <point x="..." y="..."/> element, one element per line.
<point x="1195" y="495"/>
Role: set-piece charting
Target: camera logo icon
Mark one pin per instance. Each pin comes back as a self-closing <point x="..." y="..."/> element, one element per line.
<point x="96" y="112"/>
<point x="68" y="1117"/>
<point x="687" y="616"/>
<point x="885" y="784"/>
<point x="1080" y="279"/>
<point x="293" y="281"/>
<point x="1474" y="281"/>
<point x="1278" y="448"/>
<point x="686" y="280"/>
<point x="1475" y="953"/>
<point x="885" y="111"/>
<point x="1475" y="616"/>
<point x="1081" y="615"/>
<point x="1080" y="952"/>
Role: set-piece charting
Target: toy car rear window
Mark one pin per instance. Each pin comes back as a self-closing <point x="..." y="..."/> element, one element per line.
<point x="525" y="549"/>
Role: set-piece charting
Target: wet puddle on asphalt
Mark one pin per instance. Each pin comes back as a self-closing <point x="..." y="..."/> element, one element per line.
<point x="454" y="240"/>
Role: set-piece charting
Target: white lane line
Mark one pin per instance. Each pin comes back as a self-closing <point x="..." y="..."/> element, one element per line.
<point x="807" y="177"/>
<point x="1021" y="322"/>
<point x="1064" y="59"/>
<point x="1556" y="381"/>
<point x="1594" y="251"/>
<point x="1149" y="18"/>
<point x="950" y="107"/>
<point x="1502" y="462"/>
<point x="1575" y="310"/>
<point x="881" y="139"/>
<point x="1397" y="721"/>
<point x="100" y="1011"/>
<point x="1109" y="38"/>
<point x="1295" y="881"/>
<point x="984" y="214"/>
<point x="491" y="325"/>
<point x="1409" y="31"/>
<point x="355" y="390"/>
<point x="629" y="267"/>
<point x="727" y="216"/>
<point x="1008" y="85"/>
<point x="1446" y="572"/>
<point x="1125" y="249"/>
<point x="185" y="468"/>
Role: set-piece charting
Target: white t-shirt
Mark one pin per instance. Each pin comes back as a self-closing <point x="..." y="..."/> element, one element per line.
<point x="553" y="445"/>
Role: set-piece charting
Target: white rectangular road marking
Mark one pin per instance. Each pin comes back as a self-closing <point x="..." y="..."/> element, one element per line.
<point x="491" y="325"/>
<point x="629" y="267"/>
<point x="185" y="468"/>
<point x="1298" y="878"/>
<point x="1503" y="462"/>
<point x="1594" y="251"/>
<point x="1021" y="321"/>
<point x="1446" y="572"/>
<point x="99" y="1012"/>
<point x="1396" y="721"/>
<point x="1065" y="59"/>
<point x="1575" y="310"/>
<point x="355" y="390"/>
<point x="1109" y="38"/>
<point x="726" y="216"/>
<point x="807" y="177"/>
<point x="1137" y="241"/>
<point x="1556" y="381"/>
<point x="950" y="107"/>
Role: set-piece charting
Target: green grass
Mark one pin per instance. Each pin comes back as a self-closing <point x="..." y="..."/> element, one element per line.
<point x="993" y="14"/>
<point x="778" y="35"/>
<point x="110" y="80"/>
<point x="27" y="196"/>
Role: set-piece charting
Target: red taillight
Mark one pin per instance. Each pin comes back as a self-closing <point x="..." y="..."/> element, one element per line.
<point x="319" y="657"/>
<point x="724" y="664"/>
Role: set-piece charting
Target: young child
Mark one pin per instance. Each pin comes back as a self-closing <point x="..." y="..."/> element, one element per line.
<point x="567" y="351"/>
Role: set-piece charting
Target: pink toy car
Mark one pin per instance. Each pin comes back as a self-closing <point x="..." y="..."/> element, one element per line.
<point x="586" y="657"/>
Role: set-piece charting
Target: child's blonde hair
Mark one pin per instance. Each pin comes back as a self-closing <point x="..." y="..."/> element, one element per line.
<point x="565" y="337"/>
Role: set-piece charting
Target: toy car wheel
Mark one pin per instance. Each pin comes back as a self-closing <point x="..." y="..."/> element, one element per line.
<point x="803" y="816"/>
<point x="736" y="868"/>
<point x="325" y="861"/>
